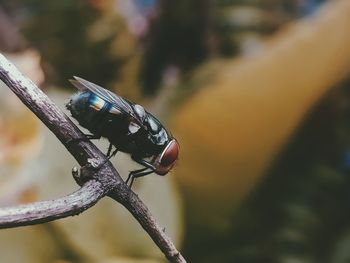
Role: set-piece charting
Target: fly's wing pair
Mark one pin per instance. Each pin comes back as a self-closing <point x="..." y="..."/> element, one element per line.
<point x="119" y="103"/>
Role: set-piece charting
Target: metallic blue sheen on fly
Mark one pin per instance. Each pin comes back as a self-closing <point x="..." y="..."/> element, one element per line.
<point x="127" y="126"/>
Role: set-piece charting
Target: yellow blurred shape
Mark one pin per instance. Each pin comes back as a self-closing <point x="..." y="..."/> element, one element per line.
<point x="232" y="129"/>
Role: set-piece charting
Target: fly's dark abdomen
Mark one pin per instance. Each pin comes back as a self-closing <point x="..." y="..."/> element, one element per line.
<point x="97" y="115"/>
<point x="101" y="119"/>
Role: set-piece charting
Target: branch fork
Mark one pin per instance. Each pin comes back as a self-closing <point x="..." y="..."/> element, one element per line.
<point x="95" y="183"/>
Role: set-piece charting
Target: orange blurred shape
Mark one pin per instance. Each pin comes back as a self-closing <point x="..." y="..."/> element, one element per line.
<point x="101" y="5"/>
<point x="246" y="110"/>
<point x="28" y="195"/>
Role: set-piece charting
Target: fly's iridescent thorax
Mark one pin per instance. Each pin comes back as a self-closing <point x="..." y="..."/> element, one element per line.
<point x="158" y="134"/>
<point x="154" y="139"/>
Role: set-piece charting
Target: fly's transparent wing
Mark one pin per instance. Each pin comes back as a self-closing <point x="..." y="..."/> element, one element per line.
<point x="115" y="100"/>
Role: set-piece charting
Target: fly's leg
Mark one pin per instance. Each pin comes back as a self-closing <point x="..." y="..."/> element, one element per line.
<point x="139" y="175"/>
<point x="144" y="163"/>
<point x="131" y="174"/>
<point x="136" y="174"/>
<point x="140" y="172"/>
<point x="88" y="137"/>
<point x="110" y="154"/>
<point x="109" y="150"/>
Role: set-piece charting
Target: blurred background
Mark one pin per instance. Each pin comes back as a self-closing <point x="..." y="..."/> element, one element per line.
<point x="257" y="92"/>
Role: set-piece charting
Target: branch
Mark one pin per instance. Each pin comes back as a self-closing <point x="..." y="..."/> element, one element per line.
<point x="149" y="224"/>
<point x="96" y="183"/>
<point x="40" y="212"/>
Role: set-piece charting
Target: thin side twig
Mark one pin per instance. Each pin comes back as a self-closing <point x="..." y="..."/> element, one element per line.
<point x="95" y="182"/>
<point x="40" y="212"/>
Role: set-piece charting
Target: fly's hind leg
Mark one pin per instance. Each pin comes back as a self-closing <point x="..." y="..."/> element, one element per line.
<point x="109" y="150"/>
<point x="110" y="154"/>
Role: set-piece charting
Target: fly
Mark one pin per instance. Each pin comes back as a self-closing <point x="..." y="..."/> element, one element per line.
<point x="127" y="126"/>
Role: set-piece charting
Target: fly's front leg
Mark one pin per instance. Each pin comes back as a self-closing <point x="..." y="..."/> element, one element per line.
<point x="140" y="172"/>
<point x="131" y="174"/>
<point x="136" y="174"/>
<point x="144" y="163"/>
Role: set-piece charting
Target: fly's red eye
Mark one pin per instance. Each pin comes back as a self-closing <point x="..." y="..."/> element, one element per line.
<point x="170" y="154"/>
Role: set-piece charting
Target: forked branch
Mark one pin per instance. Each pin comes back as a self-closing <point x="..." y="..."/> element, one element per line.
<point x="95" y="183"/>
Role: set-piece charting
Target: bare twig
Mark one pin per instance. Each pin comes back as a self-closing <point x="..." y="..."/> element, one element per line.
<point x="40" y="212"/>
<point x="96" y="183"/>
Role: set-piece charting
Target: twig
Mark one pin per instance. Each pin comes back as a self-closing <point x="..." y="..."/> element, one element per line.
<point x="45" y="211"/>
<point x="96" y="183"/>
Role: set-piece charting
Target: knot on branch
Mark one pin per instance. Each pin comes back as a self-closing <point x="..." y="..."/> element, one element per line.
<point x="85" y="173"/>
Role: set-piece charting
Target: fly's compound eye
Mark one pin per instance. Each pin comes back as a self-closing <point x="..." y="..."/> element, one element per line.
<point x="170" y="154"/>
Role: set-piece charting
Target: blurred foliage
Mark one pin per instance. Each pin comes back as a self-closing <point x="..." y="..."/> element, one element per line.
<point x="178" y="37"/>
<point x="84" y="38"/>
<point x="188" y="33"/>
